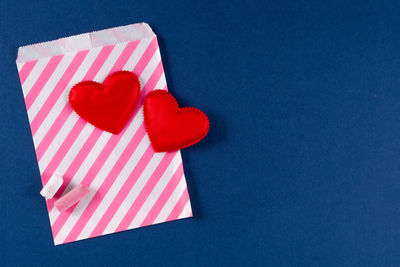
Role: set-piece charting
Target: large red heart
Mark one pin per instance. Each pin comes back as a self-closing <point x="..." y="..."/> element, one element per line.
<point x="169" y="127"/>
<point x="109" y="105"/>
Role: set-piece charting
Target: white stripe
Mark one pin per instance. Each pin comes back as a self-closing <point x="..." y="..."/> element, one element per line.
<point x="173" y="199"/>
<point x="136" y="189"/>
<point x="63" y="99"/>
<point x="161" y="184"/>
<point x="109" y="63"/>
<point x="29" y="52"/>
<point x="60" y="137"/>
<point x="114" y="189"/>
<point x="164" y="81"/>
<point x="34" y="75"/>
<point x="83" y="169"/>
<point x="49" y="86"/>
<point x="20" y="65"/>
<point x="105" y="69"/>
<point x="161" y="83"/>
<point x="56" y="143"/>
<point x="99" y="178"/>
<point x="133" y="60"/>
<point x="97" y="182"/>
<point x="149" y="69"/>
<point x="187" y="211"/>
<point x="147" y="72"/>
<point x="63" y="166"/>
<point x="75" y="148"/>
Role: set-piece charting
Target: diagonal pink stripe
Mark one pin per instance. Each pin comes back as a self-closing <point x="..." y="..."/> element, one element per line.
<point x="153" y="80"/>
<point x="76" y="163"/>
<point x="128" y="51"/>
<point x="92" y="72"/>
<point x="26" y="70"/>
<point x="144" y="160"/>
<point x="62" y="218"/>
<point x="63" y="116"/>
<point x="122" y="59"/>
<point x="67" y="110"/>
<point x="151" y="83"/>
<point x="163" y="198"/>
<point x="90" y="176"/>
<point x="95" y="135"/>
<point x="42" y="80"/>
<point x="98" y="62"/>
<point x="107" y="183"/>
<point x="86" y="148"/>
<point x="124" y="191"/>
<point x="51" y="134"/>
<point x="63" y="149"/>
<point x="145" y="192"/>
<point x="177" y="210"/>
<point x="142" y="63"/>
<point x="90" y="142"/>
<point x="58" y="89"/>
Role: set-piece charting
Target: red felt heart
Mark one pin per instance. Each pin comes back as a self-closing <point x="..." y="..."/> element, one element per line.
<point x="109" y="105"/>
<point x="169" y="127"/>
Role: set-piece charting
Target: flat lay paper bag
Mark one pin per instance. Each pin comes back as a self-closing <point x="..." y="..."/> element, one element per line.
<point x="131" y="185"/>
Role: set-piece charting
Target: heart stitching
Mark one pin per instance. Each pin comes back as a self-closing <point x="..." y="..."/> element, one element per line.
<point x="169" y="127"/>
<point x="109" y="105"/>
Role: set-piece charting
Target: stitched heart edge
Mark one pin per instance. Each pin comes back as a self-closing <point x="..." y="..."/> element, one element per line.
<point x="172" y="99"/>
<point x="106" y="80"/>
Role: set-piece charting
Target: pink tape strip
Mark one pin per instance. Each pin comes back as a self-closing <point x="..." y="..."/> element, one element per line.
<point x="71" y="197"/>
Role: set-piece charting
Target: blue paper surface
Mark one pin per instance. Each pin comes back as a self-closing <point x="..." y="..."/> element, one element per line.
<point x="302" y="163"/>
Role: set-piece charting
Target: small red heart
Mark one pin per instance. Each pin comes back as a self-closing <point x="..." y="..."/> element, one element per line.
<point x="169" y="127"/>
<point x="109" y="105"/>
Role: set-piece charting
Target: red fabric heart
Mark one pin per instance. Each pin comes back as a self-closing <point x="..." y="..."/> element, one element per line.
<point x="169" y="127"/>
<point x="109" y="105"/>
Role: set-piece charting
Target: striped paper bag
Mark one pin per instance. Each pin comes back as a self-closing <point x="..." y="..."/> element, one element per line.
<point x="131" y="185"/>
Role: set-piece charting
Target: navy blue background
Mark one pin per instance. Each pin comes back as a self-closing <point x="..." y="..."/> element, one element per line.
<point x="302" y="163"/>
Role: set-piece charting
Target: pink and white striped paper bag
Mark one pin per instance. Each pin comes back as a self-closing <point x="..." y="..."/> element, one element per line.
<point x="131" y="185"/>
